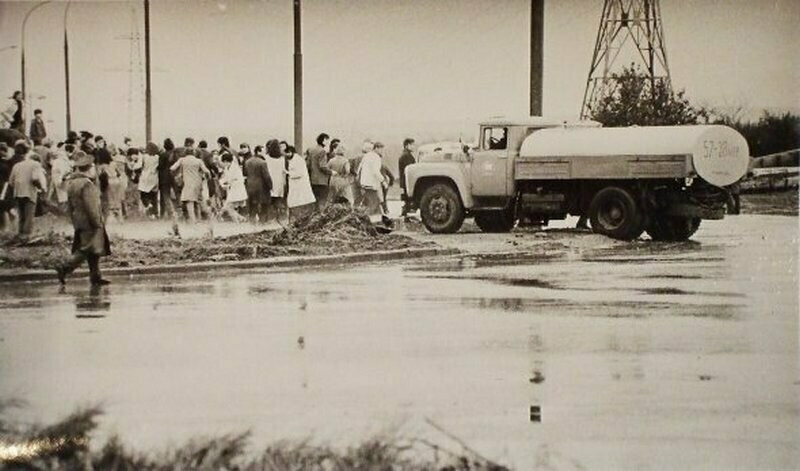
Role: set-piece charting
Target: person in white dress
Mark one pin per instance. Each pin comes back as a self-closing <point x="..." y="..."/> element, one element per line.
<point x="300" y="199"/>
<point x="232" y="181"/>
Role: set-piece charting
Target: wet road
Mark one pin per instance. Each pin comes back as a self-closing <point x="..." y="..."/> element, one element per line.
<point x="638" y="355"/>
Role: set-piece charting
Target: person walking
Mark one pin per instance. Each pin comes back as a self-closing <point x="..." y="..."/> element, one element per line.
<point x="38" y="130"/>
<point x="232" y="181"/>
<point x="27" y="179"/>
<point x="340" y="189"/>
<point x="371" y="180"/>
<point x="90" y="241"/>
<point x="319" y="173"/>
<point x="148" y="179"/>
<point x="406" y="159"/>
<point x="191" y="170"/>
<point x="259" y="187"/>
<point x="301" y="198"/>
<point x="276" y="164"/>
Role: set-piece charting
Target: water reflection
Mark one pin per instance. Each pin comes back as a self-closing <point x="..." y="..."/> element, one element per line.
<point x="93" y="304"/>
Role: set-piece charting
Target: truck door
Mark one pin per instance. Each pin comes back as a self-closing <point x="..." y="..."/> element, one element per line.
<point x="490" y="161"/>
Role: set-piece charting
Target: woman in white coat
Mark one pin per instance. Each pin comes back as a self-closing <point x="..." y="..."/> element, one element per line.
<point x="300" y="199"/>
<point x="232" y="181"/>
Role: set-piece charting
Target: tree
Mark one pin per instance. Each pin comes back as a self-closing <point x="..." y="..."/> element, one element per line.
<point x="635" y="99"/>
<point x="772" y="133"/>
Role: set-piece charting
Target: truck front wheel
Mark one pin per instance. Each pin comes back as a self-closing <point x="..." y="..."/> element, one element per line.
<point x="615" y="213"/>
<point x="441" y="209"/>
<point x="671" y="228"/>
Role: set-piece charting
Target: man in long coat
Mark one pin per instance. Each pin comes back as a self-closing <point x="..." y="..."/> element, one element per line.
<point x="259" y="187"/>
<point x="91" y="240"/>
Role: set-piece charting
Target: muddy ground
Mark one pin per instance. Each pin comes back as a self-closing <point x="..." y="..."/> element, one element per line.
<point x="778" y="203"/>
<point x="145" y="242"/>
<point x="336" y="231"/>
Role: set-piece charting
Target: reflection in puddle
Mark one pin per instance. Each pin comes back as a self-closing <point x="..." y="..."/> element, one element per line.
<point x="522" y="282"/>
<point x="96" y="301"/>
<point x="187" y="289"/>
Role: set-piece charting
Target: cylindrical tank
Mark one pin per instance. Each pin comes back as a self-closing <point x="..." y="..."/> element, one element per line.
<point x="719" y="154"/>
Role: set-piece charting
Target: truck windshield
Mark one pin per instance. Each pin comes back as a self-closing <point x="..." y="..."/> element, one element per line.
<point x="495" y="138"/>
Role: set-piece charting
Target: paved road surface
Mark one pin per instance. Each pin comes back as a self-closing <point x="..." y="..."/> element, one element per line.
<point x="639" y="355"/>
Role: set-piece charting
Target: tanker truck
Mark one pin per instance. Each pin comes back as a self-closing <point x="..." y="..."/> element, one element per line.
<point x="663" y="179"/>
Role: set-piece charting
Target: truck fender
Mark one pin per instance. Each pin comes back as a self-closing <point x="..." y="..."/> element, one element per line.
<point x="418" y="174"/>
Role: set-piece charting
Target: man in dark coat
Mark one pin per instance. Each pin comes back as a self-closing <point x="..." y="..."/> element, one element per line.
<point x="259" y="187"/>
<point x="166" y="180"/>
<point x="38" y="131"/>
<point x="91" y="240"/>
<point x="406" y="159"/>
<point x="318" y="171"/>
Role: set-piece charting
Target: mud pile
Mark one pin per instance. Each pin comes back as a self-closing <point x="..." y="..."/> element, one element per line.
<point x="335" y="223"/>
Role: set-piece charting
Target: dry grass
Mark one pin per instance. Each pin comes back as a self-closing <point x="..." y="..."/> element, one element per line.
<point x="67" y="445"/>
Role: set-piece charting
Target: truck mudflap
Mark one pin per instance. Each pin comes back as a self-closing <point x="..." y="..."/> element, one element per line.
<point x="689" y="210"/>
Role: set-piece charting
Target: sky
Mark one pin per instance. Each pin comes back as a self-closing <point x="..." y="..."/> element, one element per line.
<point x="383" y="69"/>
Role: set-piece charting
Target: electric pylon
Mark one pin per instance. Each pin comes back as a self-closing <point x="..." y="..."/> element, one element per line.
<point x="630" y="30"/>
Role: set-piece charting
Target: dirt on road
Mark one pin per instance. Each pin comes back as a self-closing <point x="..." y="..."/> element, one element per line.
<point x="336" y="230"/>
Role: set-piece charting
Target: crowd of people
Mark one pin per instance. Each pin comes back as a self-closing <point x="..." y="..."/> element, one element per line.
<point x="91" y="181"/>
<point x="192" y="182"/>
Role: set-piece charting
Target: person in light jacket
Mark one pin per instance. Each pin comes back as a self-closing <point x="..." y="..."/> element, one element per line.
<point x="192" y="171"/>
<point x="371" y="179"/>
<point x="232" y="181"/>
<point x="300" y="199"/>
<point x="148" y="179"/>
<point x="341" y="185"/>
<point x="27" y="179"/>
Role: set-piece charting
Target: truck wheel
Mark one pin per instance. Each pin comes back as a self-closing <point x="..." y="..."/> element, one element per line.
<point x="495" y="221"/>
<point x="615" y="213"/>
<point x="672" y="229"/>
<point x="441" y="209"/>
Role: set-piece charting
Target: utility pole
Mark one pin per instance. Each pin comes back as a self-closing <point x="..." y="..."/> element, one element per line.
<point x="298" y="79"/>
<point x="148" y="118"/>
<point x="537" y="56"/>
<point x="66" y="68"/>
<point x="632" y="26"/>
<point x="22" y="61"/>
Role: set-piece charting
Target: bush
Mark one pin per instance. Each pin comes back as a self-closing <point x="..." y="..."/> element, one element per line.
<point x="636" y="100"/>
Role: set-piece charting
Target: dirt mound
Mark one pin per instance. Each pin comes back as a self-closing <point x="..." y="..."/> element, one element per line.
<point x="336" y="222"/>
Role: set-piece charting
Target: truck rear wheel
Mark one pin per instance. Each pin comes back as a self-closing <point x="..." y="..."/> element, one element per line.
<point x="441" y="208"/>
<point x="671" y="228"/>
<point x="615" y="213"/>
<point x="495" y="221"/>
